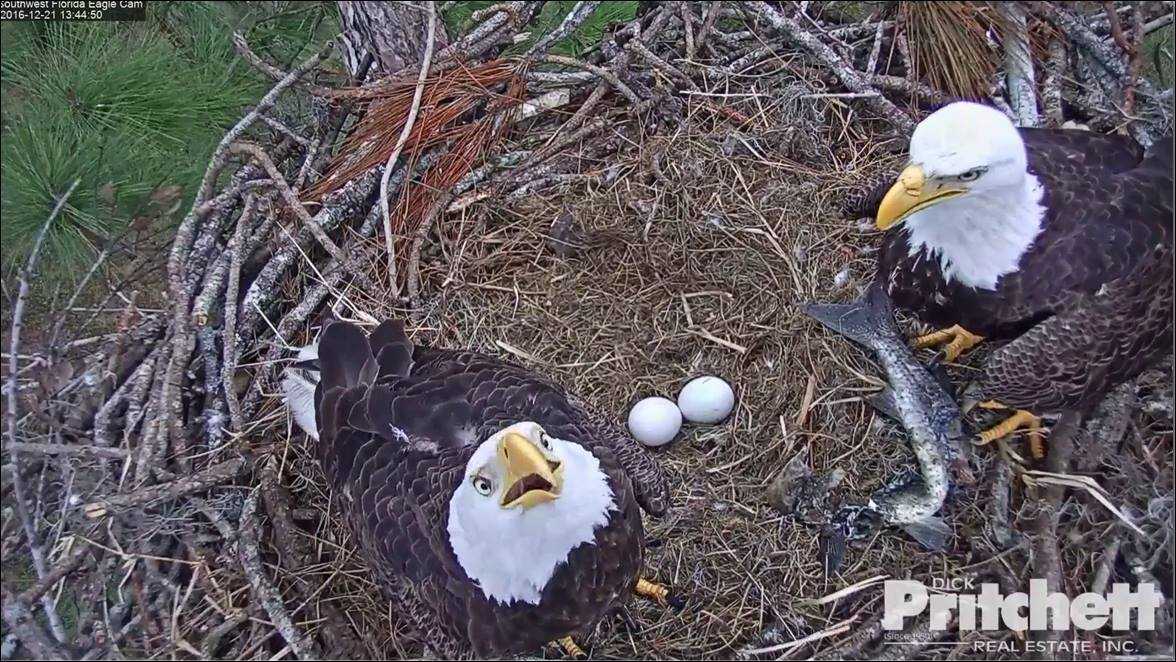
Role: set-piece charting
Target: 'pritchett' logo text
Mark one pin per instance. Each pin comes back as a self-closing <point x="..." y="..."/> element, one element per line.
<point x="990" y="610"/>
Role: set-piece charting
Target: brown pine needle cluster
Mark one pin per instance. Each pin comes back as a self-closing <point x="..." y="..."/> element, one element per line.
<point x="462" y="109"/>
<point x="949" y="45"/>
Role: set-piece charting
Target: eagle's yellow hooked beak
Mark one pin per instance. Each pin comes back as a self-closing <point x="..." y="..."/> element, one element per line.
<point x="531" y="478"/>
<point x="910" y="194"/>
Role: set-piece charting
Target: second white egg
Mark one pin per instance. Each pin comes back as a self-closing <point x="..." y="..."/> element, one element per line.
<point x="655" y="421"/>
<point x="706" y="400"/>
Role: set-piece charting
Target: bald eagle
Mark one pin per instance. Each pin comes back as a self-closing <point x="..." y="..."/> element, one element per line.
<point x="1059" y="241"/>
<point x="494" y="509"/>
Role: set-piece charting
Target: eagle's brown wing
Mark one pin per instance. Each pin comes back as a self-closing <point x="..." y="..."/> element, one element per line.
<point x="1072" y="359"/>
<point x="1110" y="315"/>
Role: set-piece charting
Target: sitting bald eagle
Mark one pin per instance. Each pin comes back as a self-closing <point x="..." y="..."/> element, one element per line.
<point x="493" y="508"/>
<point x="1058" y="240"/>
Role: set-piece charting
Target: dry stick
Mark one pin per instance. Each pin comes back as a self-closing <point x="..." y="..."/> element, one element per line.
<point x="67" y="449"/>
<point x="242" y="48"/>
<point x="267" y="102"/>
<point x="249" y="554"/>
<point x="417" y="93"/>
<point x="280" y="127"/>
<point x="620" y="67"/>
<point x="229" y="363"/>
<point x="24" y="625"/>
<point x="167" y="403"/>
<point x="688" y="28"/>
<point x="214" y="475"/>
<point x="875" y="50"/>
<point x="299" y="210"/>
<point x="422" y="233"/>
<point x="1106" y="59"/>
<point x="570" y="23"/>
<point x="911" y="88"/>
<point x="56" y="574"/>
<point x="607" y="75"/>
<point x="10" y="414"/>
<point x="853" y="80"/>
<point x="1019" y="75"/>
<point x="659" y="64"/>
<point x="212" y="640"/>
<point x="708" y="24"/>
<point x="1135" y="59"/>
<point x="1051" y="86"/>
<point x="1047" y="561"/>
<point x="1158" y="23"/>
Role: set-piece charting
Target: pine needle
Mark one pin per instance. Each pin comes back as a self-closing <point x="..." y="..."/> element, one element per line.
<point x="950" y="47"/>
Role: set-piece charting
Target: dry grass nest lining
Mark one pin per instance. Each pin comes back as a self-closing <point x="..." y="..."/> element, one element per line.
<point x="698" y="243"/>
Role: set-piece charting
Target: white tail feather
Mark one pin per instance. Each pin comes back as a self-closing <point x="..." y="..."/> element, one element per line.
<point x="299" y="385"/>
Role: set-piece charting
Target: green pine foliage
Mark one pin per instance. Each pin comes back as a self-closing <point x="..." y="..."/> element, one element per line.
<point x="126" y="109"/>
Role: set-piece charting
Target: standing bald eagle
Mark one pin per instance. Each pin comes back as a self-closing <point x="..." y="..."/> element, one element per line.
<point x="1058" y="240"/>
<point x="496" y="512"/>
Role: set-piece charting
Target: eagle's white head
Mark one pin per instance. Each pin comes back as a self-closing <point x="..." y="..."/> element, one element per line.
<point x="526" y="500"/>
<point x="966" y="197"/>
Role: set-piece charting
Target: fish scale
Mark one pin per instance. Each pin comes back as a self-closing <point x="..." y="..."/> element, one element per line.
<point x="930" y="415"/>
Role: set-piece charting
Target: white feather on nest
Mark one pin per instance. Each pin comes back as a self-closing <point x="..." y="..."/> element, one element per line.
<point x="298" y="385"/>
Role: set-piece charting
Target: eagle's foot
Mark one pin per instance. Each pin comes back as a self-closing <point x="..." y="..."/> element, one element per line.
<point x="571" y="648"/>
<point x="955" y="340"/>
<point x="1020" y="419"/>
<point x="655" y="592"/>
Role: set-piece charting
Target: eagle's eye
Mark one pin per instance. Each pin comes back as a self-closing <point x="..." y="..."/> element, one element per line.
<point x="483" y="485"/>
<point x="971" y="175"/>
<point x="545" y="441"/>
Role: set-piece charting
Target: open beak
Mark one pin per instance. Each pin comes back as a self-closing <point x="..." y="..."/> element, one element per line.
<point x="910" y="194"/>
<point x="531" y="478"/>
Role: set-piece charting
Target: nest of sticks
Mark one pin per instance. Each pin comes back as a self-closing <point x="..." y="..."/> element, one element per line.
<point x="622" y="222"/>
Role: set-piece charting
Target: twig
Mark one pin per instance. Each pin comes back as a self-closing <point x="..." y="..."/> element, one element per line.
<point x="214" y="475"/>
<point x="242" y="47"/>
<point x="1019" y="74"/>
<point x="607" y="75"/>
<point x="19" y="489"/>
<point x="792" y="31"/>
<point x="1047" y="561"/>
<point x="659" y="64"/>
<point x="299" y="210"/>
<point x="24" y="625"/>
<point x="1130" y="47"/>
<point x="875" y="50"/>
<point x="229" y="369"/>
<point x="574" y="19"/>
<point x="426" y="61"/>
<point x="250" y="556"/>
<point x="1051" y="87"/>
<point x="67" y="449"/>
<point x="708" y="23"/>
<point x="56" y="574"/>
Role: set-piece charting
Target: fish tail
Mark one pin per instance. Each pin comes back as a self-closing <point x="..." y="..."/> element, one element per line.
<point x="869" y="320"/>
<point x="931" y="532"/>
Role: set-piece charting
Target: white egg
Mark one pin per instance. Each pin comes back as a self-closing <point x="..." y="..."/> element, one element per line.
<point x="706" y="400"/>
<point x="655" y="421"/>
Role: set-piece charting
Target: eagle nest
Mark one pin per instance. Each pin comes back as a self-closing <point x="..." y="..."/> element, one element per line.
<point x="621" y="224"/>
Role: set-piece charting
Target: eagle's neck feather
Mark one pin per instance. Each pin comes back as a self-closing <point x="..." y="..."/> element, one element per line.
<point x="981" y="236"/>
<point x="514" y="555"/>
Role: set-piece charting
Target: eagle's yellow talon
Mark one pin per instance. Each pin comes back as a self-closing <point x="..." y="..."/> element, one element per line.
<point x="956" y="341"/>
<point x="570" y="648"/>
<point x="1020" y="419"/>
<point x="648" y="589"/>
